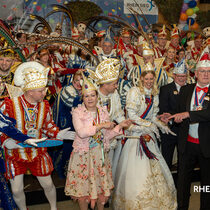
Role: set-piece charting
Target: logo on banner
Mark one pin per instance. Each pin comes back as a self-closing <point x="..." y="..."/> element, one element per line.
<point x="148" y="7"/>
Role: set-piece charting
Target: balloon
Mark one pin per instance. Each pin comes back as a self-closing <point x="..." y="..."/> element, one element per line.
<point x="195" y="26"/>
<point x="195" y="9"/>
<point x="189" y="12"/>
<point x="184" y="7"/>
<point x="186" y="28"/>
<point x="183" y="16"/>
<point x="192" y="4"/>
<point x="186" y="1"/>
<point x="190" y="21"/>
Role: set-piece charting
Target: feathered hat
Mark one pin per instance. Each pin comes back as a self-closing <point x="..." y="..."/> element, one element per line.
<point x="31" y="75"/>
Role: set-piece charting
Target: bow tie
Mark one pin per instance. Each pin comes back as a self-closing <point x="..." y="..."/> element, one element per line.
<point x="205" y="89"/>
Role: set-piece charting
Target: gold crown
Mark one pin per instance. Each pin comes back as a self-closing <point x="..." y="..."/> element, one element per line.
<point x="147" y="50"/>
<point x="108" y="70"/>
<point x="87" y="86"/>
<point x="31" y="75"/>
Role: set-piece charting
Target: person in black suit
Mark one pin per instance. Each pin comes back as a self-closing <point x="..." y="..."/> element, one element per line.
<point x="168" y="99"/>
<point x="193" y="138"/>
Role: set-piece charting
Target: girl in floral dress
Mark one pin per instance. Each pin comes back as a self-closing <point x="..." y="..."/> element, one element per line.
<point x="89" y="177"/>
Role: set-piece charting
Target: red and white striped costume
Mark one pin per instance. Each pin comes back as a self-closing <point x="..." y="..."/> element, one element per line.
<point x="36" y="159"/>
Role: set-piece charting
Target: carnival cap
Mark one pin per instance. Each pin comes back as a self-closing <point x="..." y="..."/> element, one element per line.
<point x="74" y="33"/>
<point x="31" y="75"/>
<point x="204" y="61"/>
<point x="162" y="33"/>
<point x="100" y="33"/>
<point x="125" y="32"/>
<point x="180" y="67"/>
<point x="147" y="50"/>
<point x="106" y="71"/>
<point x="107" y="37"/>
<point x="87" y="86"/>
<point x="175" y="32"/>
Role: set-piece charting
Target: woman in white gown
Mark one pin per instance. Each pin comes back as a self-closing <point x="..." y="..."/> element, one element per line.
<point x="143" y="180"/>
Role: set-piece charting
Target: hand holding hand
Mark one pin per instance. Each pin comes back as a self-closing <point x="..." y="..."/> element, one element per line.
<point x="126" y="123"/>
<point x="178" y="118"/>
<point x="109" y="125"/>
<point x="164" y="117"/>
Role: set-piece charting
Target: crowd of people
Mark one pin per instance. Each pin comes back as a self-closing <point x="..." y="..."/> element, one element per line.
<point x="124" y="108"/>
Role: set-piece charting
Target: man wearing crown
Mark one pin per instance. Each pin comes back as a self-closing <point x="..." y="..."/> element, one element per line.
<point x="193" y="140"/>
<point x="7" y="58"/>
<point x="33" y="117"/>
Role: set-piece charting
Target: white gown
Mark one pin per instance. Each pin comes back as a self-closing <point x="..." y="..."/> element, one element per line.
<point x="143" y="183"/>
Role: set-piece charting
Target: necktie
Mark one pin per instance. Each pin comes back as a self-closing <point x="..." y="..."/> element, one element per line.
<point x="205" y="89"/>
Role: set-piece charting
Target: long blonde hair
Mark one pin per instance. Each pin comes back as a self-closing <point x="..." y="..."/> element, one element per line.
<point x="155" y="90"/>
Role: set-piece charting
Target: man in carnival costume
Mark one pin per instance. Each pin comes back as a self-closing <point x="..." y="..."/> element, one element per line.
<point x="33" y="117"/>
<point x="7" y="58"/>
<point x="7" y="126"/>
<point x="160" y="50"/>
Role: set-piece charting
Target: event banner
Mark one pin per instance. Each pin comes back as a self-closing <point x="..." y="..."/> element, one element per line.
<point x="148" y="7"/>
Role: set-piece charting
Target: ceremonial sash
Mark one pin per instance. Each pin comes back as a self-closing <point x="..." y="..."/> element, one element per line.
<point x="149" y="106"/>
<point x="97" y="139"/>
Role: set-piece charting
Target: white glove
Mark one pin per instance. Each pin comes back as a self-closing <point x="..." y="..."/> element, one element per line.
<point x="11" y="144"/>
<point x="33" y="142"/>
<point x="167" y="130"/>
<point x="66" y="134"/>
<point x="155" y="130"/>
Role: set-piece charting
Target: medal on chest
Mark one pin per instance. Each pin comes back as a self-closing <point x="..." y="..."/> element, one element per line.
<point x="198" y="102"/>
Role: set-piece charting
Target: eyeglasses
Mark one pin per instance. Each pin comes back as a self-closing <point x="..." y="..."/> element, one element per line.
<point x="204" y="71"/>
